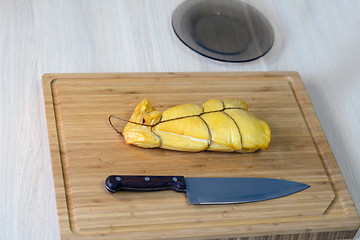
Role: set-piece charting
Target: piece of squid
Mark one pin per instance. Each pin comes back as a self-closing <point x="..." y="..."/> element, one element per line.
<point x="224" y="126"/>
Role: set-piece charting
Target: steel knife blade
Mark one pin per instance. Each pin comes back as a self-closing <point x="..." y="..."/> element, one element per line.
<point x="209" y="190"/>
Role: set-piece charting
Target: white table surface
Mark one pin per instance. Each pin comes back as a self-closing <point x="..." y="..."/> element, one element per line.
<point x="319" y="39"/>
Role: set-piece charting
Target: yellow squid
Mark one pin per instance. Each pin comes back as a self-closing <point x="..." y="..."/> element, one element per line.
<point x="224" y="126"/>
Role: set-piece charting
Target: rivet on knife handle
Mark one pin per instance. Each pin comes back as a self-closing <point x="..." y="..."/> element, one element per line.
<point x="116" y="183"/>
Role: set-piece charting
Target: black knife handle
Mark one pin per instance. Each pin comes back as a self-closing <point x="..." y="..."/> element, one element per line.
<point x="115" y="183"/>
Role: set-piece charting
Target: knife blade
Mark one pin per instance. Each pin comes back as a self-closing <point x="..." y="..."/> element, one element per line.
<point x="209" y="190"/>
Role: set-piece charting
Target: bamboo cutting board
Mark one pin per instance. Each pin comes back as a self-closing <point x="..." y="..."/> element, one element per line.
<point x="85" y="150"/>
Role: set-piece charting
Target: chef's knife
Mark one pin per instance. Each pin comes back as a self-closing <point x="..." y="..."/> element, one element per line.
<point x="216" y="190"/>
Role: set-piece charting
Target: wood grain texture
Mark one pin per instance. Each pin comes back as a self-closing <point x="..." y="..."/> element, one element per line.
<point x="85" y="150"/>
<point x="318" y="39"/>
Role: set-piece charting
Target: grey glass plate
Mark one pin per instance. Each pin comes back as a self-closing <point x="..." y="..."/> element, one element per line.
<point x="225" y="30"/>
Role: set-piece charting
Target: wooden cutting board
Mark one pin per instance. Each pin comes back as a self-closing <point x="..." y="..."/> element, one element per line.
<point x="85" y="150"/>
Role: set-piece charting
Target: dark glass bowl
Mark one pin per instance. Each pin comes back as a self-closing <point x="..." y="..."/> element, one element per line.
<point x="225" y="30"/>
